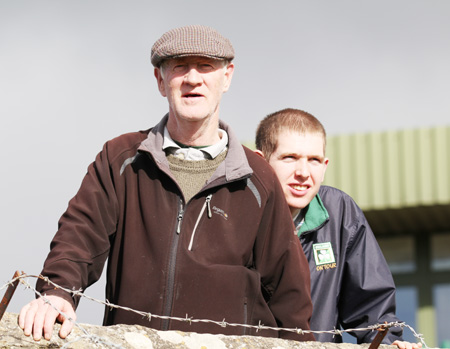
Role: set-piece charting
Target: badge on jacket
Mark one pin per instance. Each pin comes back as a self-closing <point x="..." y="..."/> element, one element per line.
<point x="324" y="256"/>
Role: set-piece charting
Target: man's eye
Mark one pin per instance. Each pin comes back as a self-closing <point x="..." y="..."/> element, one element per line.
<point x="205" y="67"/>
<point x="179" y="68"/>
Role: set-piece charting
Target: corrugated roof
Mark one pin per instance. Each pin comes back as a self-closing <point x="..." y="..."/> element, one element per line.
<point x="394" y="174"/>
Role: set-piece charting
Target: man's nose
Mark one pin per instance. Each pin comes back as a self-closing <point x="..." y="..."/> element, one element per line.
<point x="192" y="77"/>
<point x="301" y="169"/>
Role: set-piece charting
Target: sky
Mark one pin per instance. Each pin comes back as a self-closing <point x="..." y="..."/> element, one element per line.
<point x="74" y="74"/>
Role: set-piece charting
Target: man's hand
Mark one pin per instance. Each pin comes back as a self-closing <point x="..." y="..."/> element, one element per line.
<point x="407" y="345"/>
<point x="38" y="317"/>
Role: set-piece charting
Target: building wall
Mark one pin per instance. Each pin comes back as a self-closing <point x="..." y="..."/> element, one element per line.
<point x="393" y="169"/>
<point x="401" y="179"/>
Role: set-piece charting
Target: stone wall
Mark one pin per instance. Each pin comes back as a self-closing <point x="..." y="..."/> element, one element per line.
<point x="134" y="337"/>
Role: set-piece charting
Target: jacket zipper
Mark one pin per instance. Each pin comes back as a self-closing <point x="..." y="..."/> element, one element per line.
<point x="171" y="268"/>
<point x="206" y="205"/>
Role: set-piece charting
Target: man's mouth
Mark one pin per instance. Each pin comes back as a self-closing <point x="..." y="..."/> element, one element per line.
<point x="299" y="187"/>
<point x="192" y="95"/>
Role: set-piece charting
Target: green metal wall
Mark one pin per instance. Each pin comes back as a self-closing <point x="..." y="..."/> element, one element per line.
<point x="392" y="169"/>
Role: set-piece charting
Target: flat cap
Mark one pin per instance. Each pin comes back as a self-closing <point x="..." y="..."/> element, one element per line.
<point x="192" y="40"/>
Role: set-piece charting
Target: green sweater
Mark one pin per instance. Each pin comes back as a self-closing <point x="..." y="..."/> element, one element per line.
<point x="190" y="175"/>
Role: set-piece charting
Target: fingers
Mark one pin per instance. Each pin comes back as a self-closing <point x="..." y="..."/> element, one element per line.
<point x="22" y="316"/>
<point x="400" y="344"/>
<point x="407" y="345"/>
<point x="66" y="328"/>
<point x="44" y="320"/>
<point x="27" y="316"/>
<point x="67" y="323"/>
<point x="34" y="316"/>
<point x="37" y="318"/>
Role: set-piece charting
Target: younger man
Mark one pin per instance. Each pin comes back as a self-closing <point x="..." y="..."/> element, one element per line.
<point x="351" y="285"/>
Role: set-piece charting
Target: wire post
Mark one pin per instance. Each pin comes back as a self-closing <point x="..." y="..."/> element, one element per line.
<point x="9" y="293"/>
<point x="382" y="332"/>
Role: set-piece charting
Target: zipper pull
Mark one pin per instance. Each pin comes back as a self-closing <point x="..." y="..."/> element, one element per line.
<point x="208" y="205"/>
<point x="179" y="218"/>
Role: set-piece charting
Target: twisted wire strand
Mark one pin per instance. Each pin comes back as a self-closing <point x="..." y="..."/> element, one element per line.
<point x="190" y="320"/>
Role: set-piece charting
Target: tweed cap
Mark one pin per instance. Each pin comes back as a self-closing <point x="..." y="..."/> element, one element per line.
<point x="193" y="40"/>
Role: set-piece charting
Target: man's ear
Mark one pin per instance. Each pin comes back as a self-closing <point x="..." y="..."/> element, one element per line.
<point x="260" y="153"/>
<point x="325" y="163"/>
<point x="160" y="81"/>
<point x="228" y="75"/>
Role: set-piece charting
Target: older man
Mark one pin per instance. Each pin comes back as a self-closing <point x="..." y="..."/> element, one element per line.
<point x="192" y="223"/>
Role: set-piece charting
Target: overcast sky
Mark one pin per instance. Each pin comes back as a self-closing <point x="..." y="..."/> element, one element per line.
<point x="74" y="74"/>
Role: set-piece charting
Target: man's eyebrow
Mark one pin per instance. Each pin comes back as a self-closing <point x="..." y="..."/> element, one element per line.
<point x="320" y="157"/>
<point x="289" y="153"/>
<point x="297" y="155"/>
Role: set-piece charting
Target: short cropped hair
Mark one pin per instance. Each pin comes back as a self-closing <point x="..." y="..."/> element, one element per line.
<point x="288" y="119"/>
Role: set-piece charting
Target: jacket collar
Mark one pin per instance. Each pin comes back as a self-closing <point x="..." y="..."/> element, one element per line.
<point x="315" y="217"/>
<point x="233" y="168"/>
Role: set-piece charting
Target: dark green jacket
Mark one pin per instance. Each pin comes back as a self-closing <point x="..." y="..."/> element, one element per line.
<point x="351" y="284"/>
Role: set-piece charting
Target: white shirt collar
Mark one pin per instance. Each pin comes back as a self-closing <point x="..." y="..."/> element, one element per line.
<point x="210" y="152"/>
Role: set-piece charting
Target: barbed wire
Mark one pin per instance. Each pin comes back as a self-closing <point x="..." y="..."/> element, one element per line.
<point x="188" y="319"/>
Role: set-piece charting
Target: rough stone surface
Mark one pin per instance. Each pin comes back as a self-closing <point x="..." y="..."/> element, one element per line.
<point x="137" y="337"/>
